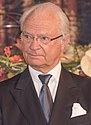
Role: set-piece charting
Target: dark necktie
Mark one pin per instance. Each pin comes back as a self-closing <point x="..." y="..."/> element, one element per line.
<point x="45" y="96"/>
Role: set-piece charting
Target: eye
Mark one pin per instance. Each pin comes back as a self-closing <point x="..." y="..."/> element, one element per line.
<point x="27" y="36"/>
<point x="44" y="39"/>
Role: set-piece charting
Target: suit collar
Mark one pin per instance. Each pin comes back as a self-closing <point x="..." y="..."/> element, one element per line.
<point x="27" y="100"/>
<point x="24" y="80"/>
<point x="68" y="93"/>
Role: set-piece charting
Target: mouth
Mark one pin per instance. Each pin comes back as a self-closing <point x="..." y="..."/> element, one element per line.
<point x="35" y="56"/>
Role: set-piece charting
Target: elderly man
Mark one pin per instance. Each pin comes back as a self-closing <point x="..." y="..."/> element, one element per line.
<point x="45" y="93"/>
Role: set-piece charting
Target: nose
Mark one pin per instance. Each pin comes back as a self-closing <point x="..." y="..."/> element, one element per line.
<point x="34" y="44"/>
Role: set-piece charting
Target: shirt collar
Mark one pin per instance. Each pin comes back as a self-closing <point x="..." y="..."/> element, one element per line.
<point x="55" y="72"/>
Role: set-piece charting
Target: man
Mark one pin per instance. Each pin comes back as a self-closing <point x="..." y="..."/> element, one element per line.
<point x="44" y="35"/>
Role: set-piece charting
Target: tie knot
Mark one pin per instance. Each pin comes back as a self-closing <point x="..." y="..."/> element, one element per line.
<point x="45" y="78"/>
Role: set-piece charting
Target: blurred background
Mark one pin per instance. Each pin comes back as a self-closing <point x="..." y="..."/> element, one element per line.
<point x="77" y="55"/>
<point x="78" y="11"/>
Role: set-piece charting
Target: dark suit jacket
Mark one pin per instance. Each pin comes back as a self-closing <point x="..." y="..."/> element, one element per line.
<point x="19" y="103"/>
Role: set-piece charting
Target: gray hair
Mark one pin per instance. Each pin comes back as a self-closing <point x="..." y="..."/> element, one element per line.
<point x="64" y="22"/>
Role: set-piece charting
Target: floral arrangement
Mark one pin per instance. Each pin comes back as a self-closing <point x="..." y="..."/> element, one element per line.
<point x="73" y="56"/>
<point x="11" y="63"/>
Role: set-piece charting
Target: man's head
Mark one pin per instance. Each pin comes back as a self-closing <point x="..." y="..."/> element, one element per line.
<point x="45" y="31"/>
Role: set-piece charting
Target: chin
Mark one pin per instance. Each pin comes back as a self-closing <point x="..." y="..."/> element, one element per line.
<point x="36" y="64"/>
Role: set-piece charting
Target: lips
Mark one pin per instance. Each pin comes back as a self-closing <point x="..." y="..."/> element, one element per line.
<point x="35" y="55"/>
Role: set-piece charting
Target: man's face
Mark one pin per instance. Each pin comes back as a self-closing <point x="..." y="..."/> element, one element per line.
<point x="41" y="56"/>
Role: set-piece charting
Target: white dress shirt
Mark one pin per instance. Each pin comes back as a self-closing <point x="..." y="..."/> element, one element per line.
<point x="53" y="83"/>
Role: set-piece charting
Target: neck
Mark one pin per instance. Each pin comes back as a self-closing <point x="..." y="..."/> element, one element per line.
<point x="44" y="69"/>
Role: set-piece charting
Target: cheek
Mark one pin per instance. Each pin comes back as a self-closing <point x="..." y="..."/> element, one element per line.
<point x="53" y="53"/>
<point x="56" y="49"/>
<point x="25" y="47"/>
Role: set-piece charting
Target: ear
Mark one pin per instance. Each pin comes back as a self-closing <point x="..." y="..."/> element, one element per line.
<point x="18" y="43"/>
<point x="64" y="41"/>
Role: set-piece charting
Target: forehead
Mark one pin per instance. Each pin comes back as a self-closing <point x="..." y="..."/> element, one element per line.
<point x="42" y="21"/>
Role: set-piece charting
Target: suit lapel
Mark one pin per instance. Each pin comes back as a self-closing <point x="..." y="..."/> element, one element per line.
<point x="67" y="94"/>
<point x="27" y="100"/>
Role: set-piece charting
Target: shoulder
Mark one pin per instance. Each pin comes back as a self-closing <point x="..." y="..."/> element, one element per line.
<point x="77" y="78"/>
<point x="4" y="85"/>
<point x="12" y="82"/>
<point x="5" y="88"/>
<point x="79" y="81"/>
